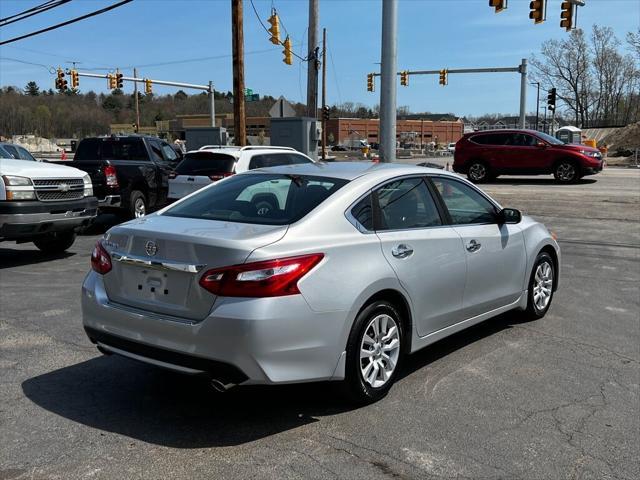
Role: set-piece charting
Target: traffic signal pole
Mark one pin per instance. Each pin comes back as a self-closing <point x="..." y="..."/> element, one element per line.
<point x="388" y="81"/>
<point x="324" y="93"/>
<point x="237" y="41"/>
<point x="207" y="88"/>
<point x="312" y="64"/>
<point x="521" y="69"/>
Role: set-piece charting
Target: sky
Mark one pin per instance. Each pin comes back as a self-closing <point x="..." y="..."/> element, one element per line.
<point x="190" y="41"/>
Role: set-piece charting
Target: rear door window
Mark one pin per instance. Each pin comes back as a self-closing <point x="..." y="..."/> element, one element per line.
<point x="265" y="199"/>
<point x="88" y="149"/>
<point x="266" y="160"/>
<point x="362" y="212"/>
<point x="205" y="164"/>
<point x="13" y="151"/>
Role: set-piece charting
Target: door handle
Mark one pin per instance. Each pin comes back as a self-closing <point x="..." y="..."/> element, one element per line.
<point x="402" y="251"/>
<point x="473" y="246"/>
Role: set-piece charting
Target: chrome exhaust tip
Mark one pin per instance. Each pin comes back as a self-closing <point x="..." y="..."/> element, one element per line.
<point x="221" y="387"/>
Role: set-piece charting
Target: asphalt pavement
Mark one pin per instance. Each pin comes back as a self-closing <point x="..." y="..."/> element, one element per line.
<point x="556" y="398"/>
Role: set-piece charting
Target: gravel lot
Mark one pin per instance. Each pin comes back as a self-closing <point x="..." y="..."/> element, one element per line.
<point x="552" y="399"/>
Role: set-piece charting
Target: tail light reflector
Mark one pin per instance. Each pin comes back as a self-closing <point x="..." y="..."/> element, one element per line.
<point x="220" y="176"/>
<point x="110" y="176"/>
<point x="100" y="259"/>
<point x="270" y="278"/>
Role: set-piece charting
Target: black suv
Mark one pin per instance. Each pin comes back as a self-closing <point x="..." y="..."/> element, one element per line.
<point x="129" y="173"/>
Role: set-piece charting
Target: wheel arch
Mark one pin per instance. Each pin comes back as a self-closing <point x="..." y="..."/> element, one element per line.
<point x="398" y="300"/>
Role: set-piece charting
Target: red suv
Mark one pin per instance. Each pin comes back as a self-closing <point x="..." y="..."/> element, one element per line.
<point x="485" y="155"/>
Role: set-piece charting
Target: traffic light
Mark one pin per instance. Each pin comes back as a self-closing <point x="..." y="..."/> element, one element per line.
<point x="147" y="86"/>
<point x="404" y="78"/>
<point x="274" y="20"/>
<point x="61" y="82"/>
<point x="325" y="113"/>
<point x="551" y="99"/>
<point x="371" y="86"/>
<point x="288" y="54"/>
<point x="111" y="81"/>
<point x="119" y="83"/>
<point x="537" y="11"/>
<point x="566" y="15"/>
<point x="444" y="80"/>
<point x="75" y="79"/>
<point x="499" y="5"/>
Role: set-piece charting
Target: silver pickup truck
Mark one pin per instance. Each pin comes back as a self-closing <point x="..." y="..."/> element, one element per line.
<point x="43" y="203"/>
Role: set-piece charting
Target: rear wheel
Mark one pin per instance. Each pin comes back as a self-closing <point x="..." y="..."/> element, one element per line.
<point x="374" y="351"/>
<point x="137" y="204"/>
<point x="566" y="172"/>
<point x="478" y="172"/>
<point x="541" y="285"/>
<point x="56" y="242"/>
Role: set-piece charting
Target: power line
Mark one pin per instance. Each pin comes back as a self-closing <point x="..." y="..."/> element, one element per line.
<point x="38" y="7"/>
<point x="68" y="22"/>
<point x="48" y="7"/>
<point x="48" y="67"/>
<point x="335" y="76"/>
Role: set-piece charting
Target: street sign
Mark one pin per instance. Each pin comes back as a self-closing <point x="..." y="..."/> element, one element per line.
<point x="282" y="108"/>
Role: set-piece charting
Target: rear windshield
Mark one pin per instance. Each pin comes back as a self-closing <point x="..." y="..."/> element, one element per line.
<point x="265" y="199"/>
<point x="205" y="163"/>
<point x="111" y="149"/>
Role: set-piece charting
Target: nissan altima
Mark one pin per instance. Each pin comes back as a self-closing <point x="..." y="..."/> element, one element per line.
<point x="314" y="272"/>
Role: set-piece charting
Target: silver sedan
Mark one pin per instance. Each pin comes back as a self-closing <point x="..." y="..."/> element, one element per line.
<point x="314" y="272"/>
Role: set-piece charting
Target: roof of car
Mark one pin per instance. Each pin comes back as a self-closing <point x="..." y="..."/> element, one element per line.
<point x="348" y="170"/>
<point x="503" y="130"/>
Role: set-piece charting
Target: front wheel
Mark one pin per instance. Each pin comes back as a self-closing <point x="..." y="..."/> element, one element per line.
<point x="374" y="351"/>
<point x="566" y="172"/>
<point x="56" y="242"/>
<point x="541" y="286"/>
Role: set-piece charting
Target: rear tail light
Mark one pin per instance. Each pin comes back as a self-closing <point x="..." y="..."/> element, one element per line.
<point x="172" y="175"/>
<point x="220" y="176"/>
<point x="270" y="278"/>
<point x="110" y="176"/>
<point x="100" y="259"/>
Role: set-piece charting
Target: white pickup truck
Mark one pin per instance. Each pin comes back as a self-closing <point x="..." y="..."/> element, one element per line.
<point x="43" y="203"/>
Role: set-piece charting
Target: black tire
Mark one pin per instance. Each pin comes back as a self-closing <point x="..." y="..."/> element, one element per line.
<point x="566" y="171"/>
<point x="56" y="242"/>
<point x="357" y="389"/>
<point x="478" y="172"/>
<point x="534" y="311"/>
<point x="138" y="206"/>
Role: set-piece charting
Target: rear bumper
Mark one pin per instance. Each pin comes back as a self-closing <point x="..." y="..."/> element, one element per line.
<point x="29" y="218"/>
<point x="242" y="340"/>
<point x="110" y="201"/>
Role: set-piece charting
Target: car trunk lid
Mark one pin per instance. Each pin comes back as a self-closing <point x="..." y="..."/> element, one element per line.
<point x="158" y="261"/>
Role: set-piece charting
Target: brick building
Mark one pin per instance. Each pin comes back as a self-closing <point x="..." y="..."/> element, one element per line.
<point x="407" y="131"/>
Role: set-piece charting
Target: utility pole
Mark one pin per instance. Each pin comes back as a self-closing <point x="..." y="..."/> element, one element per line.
<point x="237" y="34"/>
<point x="212" y="104"/>
<point x="135" y="94"/>
<point x="537" y="105"/>
<point x="324" y="93"/>
<point x="388" y="81"/>
<point x="523" y="93"/>
<point x="312" y="63"/>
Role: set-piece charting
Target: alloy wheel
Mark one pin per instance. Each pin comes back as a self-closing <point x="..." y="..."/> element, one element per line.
<point x="139" y="208"/>
<point x="477" y="172"/>
<point x="543" y="285"/>
<point x="379" y="350"/>
<point x="566" y="172"/>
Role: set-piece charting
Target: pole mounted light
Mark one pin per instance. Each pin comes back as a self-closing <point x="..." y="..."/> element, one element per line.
<point x="288" y="54"/>
<point x="566" y="15"/>
<point x="371" y="86"/>
<point x="537" y="13"/>
<point x="444" y="77"/>
<point x="274" y="20"/>
<point x="404" y="78"/>
<point x="498" y="5"/>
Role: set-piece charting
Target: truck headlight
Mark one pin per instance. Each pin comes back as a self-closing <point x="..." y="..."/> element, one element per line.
<point x="88" y="186"/>
<point x="13" y="181"/>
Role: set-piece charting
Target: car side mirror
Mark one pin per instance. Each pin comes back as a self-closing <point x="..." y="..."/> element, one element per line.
<point x="509" y="215"/>
<point x="541" y="145"/>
